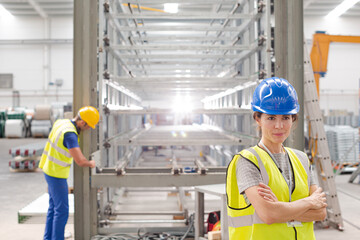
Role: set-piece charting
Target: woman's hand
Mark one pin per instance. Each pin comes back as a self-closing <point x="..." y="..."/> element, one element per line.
<point x="318" y="199"/>
<point x="265" y="192"/>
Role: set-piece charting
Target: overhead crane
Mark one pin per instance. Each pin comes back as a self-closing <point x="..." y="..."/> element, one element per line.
<point x="320" y="51"/>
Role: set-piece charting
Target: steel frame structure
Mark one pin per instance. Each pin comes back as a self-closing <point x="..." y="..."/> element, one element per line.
<point x="217" y="55"/>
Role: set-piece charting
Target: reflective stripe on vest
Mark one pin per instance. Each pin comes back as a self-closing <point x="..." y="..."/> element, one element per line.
<point x="305" y="162"/>
<point x="57" y="161"/>
<point x="243" y="221"/>
<point x="60" y="150"/>
<point x="249" y="220"/>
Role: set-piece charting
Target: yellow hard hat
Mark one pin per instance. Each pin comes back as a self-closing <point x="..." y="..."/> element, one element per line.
<point x="90" y="115"/>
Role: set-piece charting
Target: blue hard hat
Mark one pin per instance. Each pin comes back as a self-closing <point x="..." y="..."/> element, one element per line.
<point x="275" y="96"/>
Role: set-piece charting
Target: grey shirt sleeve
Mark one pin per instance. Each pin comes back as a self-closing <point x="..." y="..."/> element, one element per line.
<point x="247" y="175"/>
<point x="312" y="179"/>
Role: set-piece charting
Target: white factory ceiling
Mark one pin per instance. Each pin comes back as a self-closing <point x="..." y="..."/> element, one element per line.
<point x="54" y="8"/>
<point x="43" y="8"/>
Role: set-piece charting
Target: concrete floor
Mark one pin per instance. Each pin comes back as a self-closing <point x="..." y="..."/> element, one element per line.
<point x="21" y="188"/>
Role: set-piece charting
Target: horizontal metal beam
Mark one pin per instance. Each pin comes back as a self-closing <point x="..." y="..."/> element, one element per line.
<point x="184" y="16"/>
<point x="181" y="142"/>
<point x="179" y="79"/>
<point x="166" y="86"/>
<point x="182" y="1"/>
<point x="35" y="41"/>
<point x="198" y="91"/>
<point x="195" y="111"/>
<point x="122" y="89"/>
<point x="198" y="28"/>
<point x="180" y="56"/>
<point x="142" y="213"/>
<point x="143" y="221"/>
<point x="172" y="70"/>
<point x="127" y="230"/>
<point x="181" y="38"/>
<point x="155" y="180"/>
<point x="181" y="63"/>
<point x="180" y="47"/>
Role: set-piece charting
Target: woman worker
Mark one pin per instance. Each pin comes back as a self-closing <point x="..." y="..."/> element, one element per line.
<point x="270" y="190"/>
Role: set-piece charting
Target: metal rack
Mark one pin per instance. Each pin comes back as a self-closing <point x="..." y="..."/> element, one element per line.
<point x="214" y="52"/>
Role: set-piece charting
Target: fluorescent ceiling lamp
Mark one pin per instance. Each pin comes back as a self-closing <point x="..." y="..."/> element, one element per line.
<point x="5" y="13"/>
<point x="171" y="7"/>
<point x="342" y="8"/>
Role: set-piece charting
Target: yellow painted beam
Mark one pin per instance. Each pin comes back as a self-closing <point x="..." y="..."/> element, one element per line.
<point x="320" y="52"/>
<point x="144" y="8"/>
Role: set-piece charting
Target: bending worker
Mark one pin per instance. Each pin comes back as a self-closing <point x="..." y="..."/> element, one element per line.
<point x="270" y="190"/>
<point x="60" y="150"/>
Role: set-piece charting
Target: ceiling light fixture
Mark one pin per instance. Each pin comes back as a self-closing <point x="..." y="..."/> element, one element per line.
<point x="341" y="8"/>
<point x="171" y="7"/>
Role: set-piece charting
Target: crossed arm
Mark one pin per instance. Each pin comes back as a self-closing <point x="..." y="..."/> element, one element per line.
<point x="270" y="210"/>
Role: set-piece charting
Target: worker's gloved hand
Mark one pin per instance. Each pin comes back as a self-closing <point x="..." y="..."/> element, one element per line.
<point x="92" y="164"/>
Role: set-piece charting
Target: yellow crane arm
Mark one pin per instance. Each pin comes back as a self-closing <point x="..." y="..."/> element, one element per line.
<point x="320" y="51"/>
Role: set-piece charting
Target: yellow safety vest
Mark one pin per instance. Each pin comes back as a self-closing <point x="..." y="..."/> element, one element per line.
<point x="243" y="221"/>
<point x="56" y="159"/>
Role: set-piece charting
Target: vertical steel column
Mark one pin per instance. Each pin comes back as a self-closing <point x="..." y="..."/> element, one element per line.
<point x="289" y="37"/>
<point x="281" y="38"/>
<point x="268" y="39"/>
<point x="85" y="93"/>
<point x="296" y="64"/>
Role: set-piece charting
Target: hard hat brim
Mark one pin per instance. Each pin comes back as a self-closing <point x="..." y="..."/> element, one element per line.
<point x="276" y="112"/>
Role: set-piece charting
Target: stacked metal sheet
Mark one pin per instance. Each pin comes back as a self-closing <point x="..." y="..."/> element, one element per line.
<point x="29" y="150"/>
<point x="26" y="156"/>
<point x="350" y="120"/>
<point x="343" y="143"/>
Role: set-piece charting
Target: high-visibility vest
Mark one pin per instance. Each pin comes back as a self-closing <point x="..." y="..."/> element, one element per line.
<point x="56" y="159"/>
<point x="244" y="223"/>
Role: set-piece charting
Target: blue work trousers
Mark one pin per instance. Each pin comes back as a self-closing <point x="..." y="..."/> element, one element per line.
<point x="58" y="211"/>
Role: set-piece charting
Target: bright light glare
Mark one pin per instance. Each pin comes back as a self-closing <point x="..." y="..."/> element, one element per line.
<point x="183" y="134"/>
<point x="221" y="74"/>
<point x="341" y="8"/>
<point x="182" y="104"/>
<point x="171" y="7"/>
<point x="5" y="13"/>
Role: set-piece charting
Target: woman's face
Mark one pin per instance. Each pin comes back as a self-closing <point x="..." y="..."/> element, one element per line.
<point x="275" y="128"/>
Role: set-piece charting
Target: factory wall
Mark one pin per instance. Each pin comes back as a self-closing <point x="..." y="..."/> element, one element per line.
<point x="340" y="86"/>
<point x="35" y="65"/>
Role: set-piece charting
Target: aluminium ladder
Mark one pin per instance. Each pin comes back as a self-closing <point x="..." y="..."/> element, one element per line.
<point x="354" y="174"/>
<point x="319" y="147"/>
